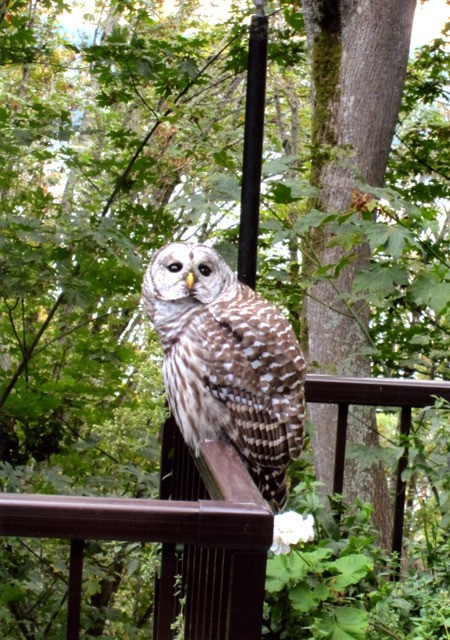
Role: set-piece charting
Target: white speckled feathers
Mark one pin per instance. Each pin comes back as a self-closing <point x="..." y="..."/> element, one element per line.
<point x="233" y="368"/>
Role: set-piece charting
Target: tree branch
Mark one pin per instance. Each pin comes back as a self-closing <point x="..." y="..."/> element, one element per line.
<point x="29" y="352"/>
<point x="421" y="160"/>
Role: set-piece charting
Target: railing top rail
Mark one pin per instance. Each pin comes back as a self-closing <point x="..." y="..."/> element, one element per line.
<point x="224" y="475"/>
<point x="383" y="392"/>
<point x="236" y="525"/>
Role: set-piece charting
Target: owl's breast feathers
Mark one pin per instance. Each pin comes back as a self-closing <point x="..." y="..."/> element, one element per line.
<point x="171" y="319"/>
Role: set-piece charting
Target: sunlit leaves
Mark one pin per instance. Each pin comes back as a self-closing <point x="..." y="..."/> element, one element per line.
<point x="387" y="238"/>
<point x="432" y="289"/>
<point x="420" y="160"/>
<point x="124" y="62"/>
<point x="406" y="283"/>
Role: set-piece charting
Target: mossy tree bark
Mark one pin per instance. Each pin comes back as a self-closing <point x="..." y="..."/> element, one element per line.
<point x="359" y="52"/>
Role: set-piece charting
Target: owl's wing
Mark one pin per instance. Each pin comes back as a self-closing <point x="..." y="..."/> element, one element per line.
<point x="256" y="369"/>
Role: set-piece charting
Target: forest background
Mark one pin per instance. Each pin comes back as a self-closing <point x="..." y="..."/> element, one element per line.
<point x="125" y="135"/>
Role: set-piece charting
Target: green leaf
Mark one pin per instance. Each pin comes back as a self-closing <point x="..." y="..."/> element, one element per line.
<point x="92" y="586"/>
<point x="372" y="455"/>
<point x="390" y="238"/>
<point x="397" y="240"/>
<point x="313" y="219"/>
<point x="380" y="280"/>
<point x="278" y="165"/>
<point x="351" y="570"/>
<point x="224" y="159"/>
<point x="343" y="623"/>
<point x="430" y="290"/>
<point x="294" y="19"/>
<point x="222" y="186"/>
<point x="10" y="592"/>
<point x="277" y="574"/>
<point x="305" y="598"/>
<point x="377" y="235"/>
<point x="282" y="194"/>
<point x="282" y="569"/>
<point x="133" y="566"/>
<point x="314" y="559"/>
<point x="288" y="569"/>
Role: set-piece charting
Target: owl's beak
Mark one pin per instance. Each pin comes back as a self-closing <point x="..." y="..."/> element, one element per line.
<point x="190" y="280"/>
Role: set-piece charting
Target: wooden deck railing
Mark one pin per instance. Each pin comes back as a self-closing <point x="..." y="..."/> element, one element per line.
<point x="376" y="392"/>
<point x="215" y="531"/>
<point x="214" y="527"/>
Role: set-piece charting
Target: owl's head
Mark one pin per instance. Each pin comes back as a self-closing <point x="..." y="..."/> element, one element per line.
<point x="187" y="270"/>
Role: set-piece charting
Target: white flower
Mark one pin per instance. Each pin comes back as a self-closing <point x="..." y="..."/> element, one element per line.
<point x="289" y="528"/>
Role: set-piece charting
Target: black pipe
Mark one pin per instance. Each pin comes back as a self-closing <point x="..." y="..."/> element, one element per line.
<point x="253" y="148"/>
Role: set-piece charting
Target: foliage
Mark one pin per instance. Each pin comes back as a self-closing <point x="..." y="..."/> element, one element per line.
<point x="117" y="457"/>
<point x="429" y="488"/>
<point x="405" y="224"/>
<point x="317" y="591"/>
<point x="407" y="283"/>
<point x="339" y="586"/>
<point x="416" y="607"/>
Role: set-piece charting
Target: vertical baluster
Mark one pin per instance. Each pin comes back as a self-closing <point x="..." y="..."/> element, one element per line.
<point x="341" y="443"/>
<point x="400" y="487"/>
<point x="164" y="584"/>
<point x="225" y="557"/>
<point x="193" y="587"/>
<point x="186" y="566"/>
<point x="167" y="454"/>
<point x="207" y="583"/>
<point x="75" y="583"/>
<point x="218" y="593"/>
<point x="246" y="594"/>
<point x="165" y="605"/>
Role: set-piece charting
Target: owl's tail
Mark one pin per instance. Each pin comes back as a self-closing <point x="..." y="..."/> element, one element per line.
<point x="271" y="481"/>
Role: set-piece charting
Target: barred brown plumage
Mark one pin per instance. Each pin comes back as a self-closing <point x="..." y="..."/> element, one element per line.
<point x="233" y="368"/>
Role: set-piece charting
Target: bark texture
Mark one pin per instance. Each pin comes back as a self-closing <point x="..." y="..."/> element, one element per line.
<point x="359" y="52"/>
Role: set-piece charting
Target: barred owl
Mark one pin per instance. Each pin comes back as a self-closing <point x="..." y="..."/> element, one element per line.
<point x="233" y="369"/>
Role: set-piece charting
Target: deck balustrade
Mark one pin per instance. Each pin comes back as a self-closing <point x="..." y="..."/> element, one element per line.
<point x="213" y="524"/>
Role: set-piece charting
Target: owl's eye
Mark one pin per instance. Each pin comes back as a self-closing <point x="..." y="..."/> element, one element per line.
<point x="204" y="269"/>
<point x="175" y="267"/>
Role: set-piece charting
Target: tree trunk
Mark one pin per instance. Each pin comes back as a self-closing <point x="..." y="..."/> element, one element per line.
<point x="359" y="52"/>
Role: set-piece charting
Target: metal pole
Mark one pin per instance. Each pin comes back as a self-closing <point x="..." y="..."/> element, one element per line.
<point x="253" y="146"/>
